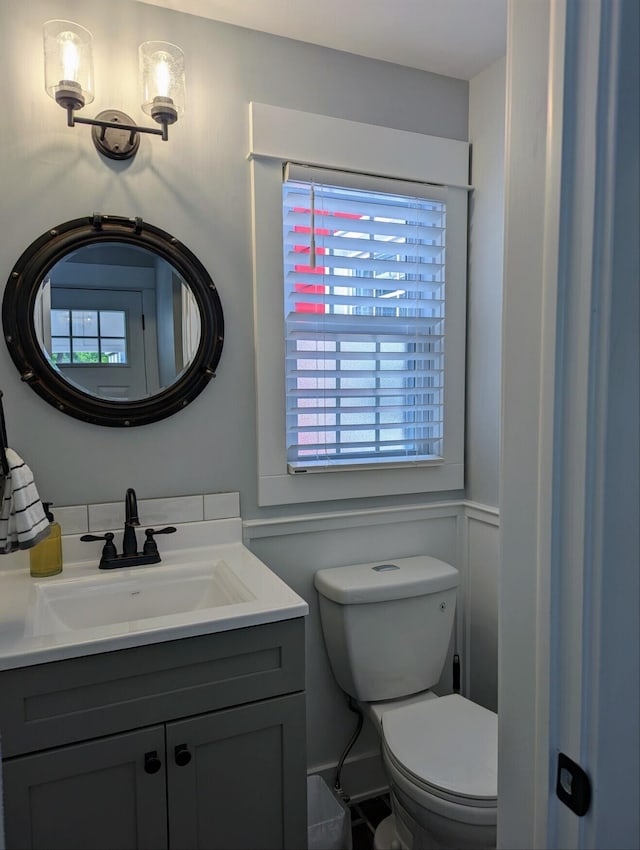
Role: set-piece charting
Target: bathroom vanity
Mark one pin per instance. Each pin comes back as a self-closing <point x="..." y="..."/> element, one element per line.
<point x="170" y="733"/>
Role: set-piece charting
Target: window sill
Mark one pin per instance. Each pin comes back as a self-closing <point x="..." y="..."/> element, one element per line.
<point x="371" y="465"/>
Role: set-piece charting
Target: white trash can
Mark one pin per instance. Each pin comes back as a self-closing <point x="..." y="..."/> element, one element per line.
<point x="328" y="818"/>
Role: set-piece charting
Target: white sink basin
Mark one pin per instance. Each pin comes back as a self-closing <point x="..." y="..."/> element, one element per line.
<point x="107" y="599"/>
<point x="214" y="584"/>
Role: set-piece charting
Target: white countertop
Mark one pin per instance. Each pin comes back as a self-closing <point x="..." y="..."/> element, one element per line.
<point x="208" y="542"/>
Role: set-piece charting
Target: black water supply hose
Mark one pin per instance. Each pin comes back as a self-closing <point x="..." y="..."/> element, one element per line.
<point x="353" y="705"/>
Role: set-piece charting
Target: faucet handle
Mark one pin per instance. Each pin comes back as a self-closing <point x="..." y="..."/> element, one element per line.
<point x="109" y="548"/>
<point x="150" y="546"/>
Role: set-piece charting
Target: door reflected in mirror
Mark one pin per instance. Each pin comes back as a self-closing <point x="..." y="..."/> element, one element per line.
<point x="117" y="321"/>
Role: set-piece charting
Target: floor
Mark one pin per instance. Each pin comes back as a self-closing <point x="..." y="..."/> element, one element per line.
<point x="365" y="817"/>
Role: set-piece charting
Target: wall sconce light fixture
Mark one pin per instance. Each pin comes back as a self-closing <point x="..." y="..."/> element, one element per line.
<point x="68" y="73"/>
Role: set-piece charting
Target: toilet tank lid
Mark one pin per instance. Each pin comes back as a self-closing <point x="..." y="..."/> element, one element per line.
<point x="380" y="581"/>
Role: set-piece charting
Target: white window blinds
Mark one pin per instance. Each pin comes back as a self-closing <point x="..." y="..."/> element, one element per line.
<point x="364" y="277"/>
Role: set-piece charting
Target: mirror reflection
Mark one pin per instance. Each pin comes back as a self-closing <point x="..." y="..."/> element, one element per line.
<point x="117" y="321"/>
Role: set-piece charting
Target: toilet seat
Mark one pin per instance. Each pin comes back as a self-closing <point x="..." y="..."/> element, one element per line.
<point x="447" y="747"/>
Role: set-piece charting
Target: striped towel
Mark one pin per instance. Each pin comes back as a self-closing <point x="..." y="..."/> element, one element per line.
<point x="23" y="522"/>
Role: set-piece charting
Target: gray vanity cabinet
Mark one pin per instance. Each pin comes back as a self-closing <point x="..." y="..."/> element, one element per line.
<point x="194" y="743"/>
<point x="229" y="794"/>
<point x="90" y="795"/>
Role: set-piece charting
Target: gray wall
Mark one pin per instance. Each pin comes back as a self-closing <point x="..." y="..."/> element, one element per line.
<point x="484" y="355"/>
<point x="484" y="301"/>
<point x="197" y="187"/>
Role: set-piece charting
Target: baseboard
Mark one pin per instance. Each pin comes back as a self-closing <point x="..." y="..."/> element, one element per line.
<point x="361" y="777"/>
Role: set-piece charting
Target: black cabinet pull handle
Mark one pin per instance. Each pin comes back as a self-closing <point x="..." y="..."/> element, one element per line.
<point x="182" y="755"/>
<point x="152" y="763"/>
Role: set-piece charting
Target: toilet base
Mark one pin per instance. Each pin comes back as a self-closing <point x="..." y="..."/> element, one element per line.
<point x="406" y="834"/>
<point x="394" y="835"/>
<point x="385" y="837"/>
<point x="433" y="832"/>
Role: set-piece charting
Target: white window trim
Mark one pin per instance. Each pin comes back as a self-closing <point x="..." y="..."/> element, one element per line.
<point x="278" y="135"/>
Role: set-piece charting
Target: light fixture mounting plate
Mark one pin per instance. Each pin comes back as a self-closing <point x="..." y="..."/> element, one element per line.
<point x="115" y="142"/>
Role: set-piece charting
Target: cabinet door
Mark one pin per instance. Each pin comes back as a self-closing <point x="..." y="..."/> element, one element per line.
<point x="94" y="795"/>
<point x="237" y="778"/>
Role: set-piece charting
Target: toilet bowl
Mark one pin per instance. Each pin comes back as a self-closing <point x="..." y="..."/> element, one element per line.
<point x="387" y="628"/>
<point x="440" y="755"/>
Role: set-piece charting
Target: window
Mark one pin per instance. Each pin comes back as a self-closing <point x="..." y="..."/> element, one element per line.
<point x="86" y="337"/>
<point x="364" y="299"/>
<point x="359" y="383"/>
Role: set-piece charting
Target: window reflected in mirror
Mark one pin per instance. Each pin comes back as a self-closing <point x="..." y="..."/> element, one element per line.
<point x="87" y="336"/>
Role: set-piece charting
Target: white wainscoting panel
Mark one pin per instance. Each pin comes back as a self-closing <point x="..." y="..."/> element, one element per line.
<point x="481" y="556"/>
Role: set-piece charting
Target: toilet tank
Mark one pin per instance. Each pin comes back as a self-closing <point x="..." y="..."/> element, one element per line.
<point x="387" y="625"/>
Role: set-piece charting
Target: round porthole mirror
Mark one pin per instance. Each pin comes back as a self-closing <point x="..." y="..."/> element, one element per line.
<point x="113" y="321"/>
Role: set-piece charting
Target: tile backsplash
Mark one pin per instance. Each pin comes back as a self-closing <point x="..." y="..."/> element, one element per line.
<point x="73" y="519"/>
<point x="109" y="516"/>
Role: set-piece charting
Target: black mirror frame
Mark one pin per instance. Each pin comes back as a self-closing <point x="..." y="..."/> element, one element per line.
<point x="20" y="333"/>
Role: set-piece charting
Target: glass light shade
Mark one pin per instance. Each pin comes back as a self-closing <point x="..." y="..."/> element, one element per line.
<point x="162" y="80"/>
<point x="68" y="63"/>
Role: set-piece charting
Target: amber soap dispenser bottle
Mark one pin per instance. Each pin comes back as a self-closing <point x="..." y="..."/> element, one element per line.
<point x="45" y="559"/>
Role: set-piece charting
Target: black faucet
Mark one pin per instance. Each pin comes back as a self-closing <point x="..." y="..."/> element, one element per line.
<point x="129" y="540"/>
<point x="130" y="556"/>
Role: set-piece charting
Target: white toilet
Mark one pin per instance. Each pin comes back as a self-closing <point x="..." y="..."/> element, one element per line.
<point x="387" y="628"/>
